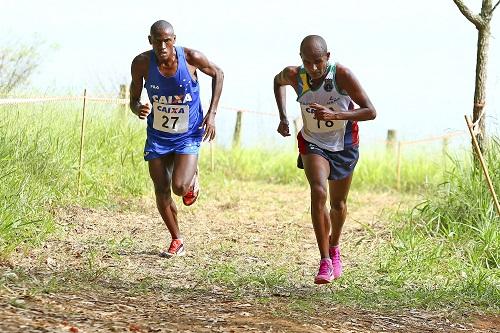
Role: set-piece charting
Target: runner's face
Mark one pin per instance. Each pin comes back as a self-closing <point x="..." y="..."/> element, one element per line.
<point x="315" y="64"/>
<point x="163" y="44"/>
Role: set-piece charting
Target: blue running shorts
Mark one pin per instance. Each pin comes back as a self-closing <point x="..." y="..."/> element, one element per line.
<point x="189" y="147"/>
<point x="342" y="163"/>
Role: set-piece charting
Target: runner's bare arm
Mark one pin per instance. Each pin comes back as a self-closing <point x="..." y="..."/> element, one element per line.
<point x="200" y="61"/>
<point x="348" y="83"/>
<point x="287" y="77"/>
<point x="138" y="69"/>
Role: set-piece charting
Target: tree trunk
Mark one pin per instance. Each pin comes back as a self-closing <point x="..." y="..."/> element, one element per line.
<point x="480" y="90"/>
<point x="482" y="23"/>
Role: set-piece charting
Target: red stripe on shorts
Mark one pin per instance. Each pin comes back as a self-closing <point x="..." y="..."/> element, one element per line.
<point x="301" y="143"/>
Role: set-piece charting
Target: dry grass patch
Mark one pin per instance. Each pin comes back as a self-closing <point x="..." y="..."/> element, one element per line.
<point x="251" y="258"/>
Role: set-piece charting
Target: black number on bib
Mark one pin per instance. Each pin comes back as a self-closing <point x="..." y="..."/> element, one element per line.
<point x="165" y="123"/>
<point x="175" y="121"/>
<point x="328" y="123"/>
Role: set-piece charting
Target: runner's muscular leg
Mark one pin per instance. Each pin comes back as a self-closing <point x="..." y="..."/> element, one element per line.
<point x="160" y="170"/>
<point x="339" y="189"/>
<point x="183" y="174"/>
<point x="317" y="170"/>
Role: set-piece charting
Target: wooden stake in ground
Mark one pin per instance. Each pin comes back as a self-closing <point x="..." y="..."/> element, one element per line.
<point x="391" y="140"/>
<point x="398" y="168"/>
<point x="82" y="134"/>
<point x="237" y="130"/>
<point x="483" y="164"/>
<point x="212" y="163"/>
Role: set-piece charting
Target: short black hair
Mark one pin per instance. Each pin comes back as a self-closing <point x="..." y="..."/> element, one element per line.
<point x="161" y="25"/>
<point x="315" y="41"/>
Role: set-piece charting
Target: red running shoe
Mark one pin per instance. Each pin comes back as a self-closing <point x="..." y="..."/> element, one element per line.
<point x="176" y="249"/>
<point x="192" y="195"/>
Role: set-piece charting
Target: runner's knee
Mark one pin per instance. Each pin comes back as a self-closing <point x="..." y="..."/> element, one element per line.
<point x="162" y="190"/>
<point x="179" y="188"/>
<point x="318" y="194"/>
<point x="339" y="205"/>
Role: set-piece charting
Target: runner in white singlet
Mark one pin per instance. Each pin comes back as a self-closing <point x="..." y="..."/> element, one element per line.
<point x="328" y="142"/>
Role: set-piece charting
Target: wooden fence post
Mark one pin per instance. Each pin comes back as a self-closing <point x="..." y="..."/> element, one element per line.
<point x="237" y="130"/>
<point x="82" y="135"/>
<point x="212" y="162"/>
<point x="445" y="150"/>
<point x="398" y="171"/>
<point x="445" y="145"/>
<point x="124" y="94"/>
<point x="391" y="140"/>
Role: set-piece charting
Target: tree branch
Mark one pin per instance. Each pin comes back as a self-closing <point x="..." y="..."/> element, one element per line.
<point x="475" y="19"/>
<point x="494" y="7"/>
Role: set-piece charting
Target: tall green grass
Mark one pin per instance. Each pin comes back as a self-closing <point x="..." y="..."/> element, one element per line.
<point x="252" y="164"/>
<point x="451" y="240"/>
<point x="419" y="167"/>
<point x="39" y="156"/>
<point x="461" y="210"/>
<point x="445" y="251"/>
<point x="442" y="255"/>
<point x="375" y="171"/>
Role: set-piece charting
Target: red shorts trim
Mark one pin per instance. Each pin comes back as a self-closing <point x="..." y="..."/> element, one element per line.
<point x="301" y="143"/>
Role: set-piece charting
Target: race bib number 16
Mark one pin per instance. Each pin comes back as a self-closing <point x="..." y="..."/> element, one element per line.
<point x="319" y="126"/>
<point x="170" y="118"/>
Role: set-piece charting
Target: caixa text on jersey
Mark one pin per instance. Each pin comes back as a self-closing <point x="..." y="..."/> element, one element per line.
<point x="168" y="108"/>
<point x="175" y="99"/>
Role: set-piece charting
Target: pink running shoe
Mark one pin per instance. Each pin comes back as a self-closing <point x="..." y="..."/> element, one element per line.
<point x="336" y="261"/>
<point x="325" y="273"/>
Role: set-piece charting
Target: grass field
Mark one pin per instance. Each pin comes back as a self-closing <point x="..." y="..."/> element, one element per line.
<point x="440" y="249"/>
<point x="39" y="158"/>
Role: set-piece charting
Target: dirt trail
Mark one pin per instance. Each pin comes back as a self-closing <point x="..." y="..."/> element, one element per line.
<point x="102" y="272"/>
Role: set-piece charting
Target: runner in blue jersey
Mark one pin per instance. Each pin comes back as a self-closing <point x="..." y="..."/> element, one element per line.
<point x="175" y="121"/>
<point x="328" y="141"/>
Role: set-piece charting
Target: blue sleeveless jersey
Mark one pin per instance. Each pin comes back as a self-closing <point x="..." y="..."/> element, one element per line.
<point x="176" y="113"/>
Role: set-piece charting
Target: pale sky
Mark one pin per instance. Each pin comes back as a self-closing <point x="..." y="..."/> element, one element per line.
<point x="415" y="59"/>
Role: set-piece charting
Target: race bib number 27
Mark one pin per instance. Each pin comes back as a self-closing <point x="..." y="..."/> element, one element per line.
<point x="170" y="118"/>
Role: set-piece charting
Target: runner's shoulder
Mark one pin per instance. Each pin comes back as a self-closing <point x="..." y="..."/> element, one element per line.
<point x="342" y="71"/>
<point x="291" y="71"/>
<point x="288" y="75"/>
<point x="141" y="62"/>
